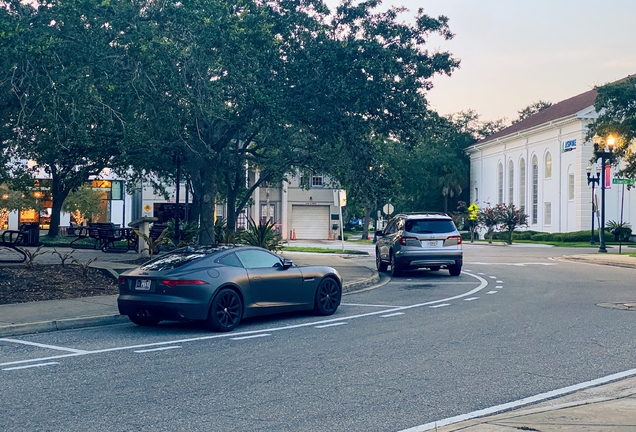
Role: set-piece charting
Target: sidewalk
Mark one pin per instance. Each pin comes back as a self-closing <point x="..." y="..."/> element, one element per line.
<point x="604" y="405"/>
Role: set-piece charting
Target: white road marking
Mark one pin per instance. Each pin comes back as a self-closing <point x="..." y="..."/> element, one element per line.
<point x="30" y="366"/>
<point x="368" y="305"/>
<point x="514" y="264"/>
<point x="440" y="305"/>
<point x="482" y="285"/>
<point x="251" y="336"/>
<point x="158" y="349"/>
<point x="331" y="325"/>
<point x="471" y="298"/>
<point x="493" y="277"/>
<point x="492" y="292"/>
<point x="521" y="402"/>
<point x="392" y="315"/>
<point x="499" y="286"/>
<point x="53" y="347"/>
<point x="499" y="281"/>
<point x="481" y="273"/>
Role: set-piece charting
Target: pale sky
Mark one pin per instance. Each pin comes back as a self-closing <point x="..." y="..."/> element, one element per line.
<point x="515" y="52"/>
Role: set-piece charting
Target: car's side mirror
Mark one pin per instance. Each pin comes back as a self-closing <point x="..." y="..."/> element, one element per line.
<point x="379" y="234"/>
<point x="287" y="263"/>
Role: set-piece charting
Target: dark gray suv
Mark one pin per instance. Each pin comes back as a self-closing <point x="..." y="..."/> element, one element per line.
<point x="419" y="240"/>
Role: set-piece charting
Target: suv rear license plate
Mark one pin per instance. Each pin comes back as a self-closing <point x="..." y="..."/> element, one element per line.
<point x="143" y="285"/>
<point x="431" y="243"/>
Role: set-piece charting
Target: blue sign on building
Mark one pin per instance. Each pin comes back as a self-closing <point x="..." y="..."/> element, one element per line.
<point x="569" y="145"/>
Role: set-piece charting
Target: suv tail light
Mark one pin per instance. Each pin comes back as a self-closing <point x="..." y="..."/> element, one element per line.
<point x="404" y="241"/>
<point x="453" y="240"/>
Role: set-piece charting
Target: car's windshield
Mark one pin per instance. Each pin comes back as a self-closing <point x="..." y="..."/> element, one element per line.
<point x="429" y="226"/>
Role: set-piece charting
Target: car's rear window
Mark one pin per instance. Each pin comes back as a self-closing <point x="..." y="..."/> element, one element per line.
<point x="180" y="257"/>
<point x="429" y="226"/>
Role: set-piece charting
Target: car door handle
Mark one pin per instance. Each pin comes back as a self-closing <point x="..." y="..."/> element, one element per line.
<point x="256" y="278"/>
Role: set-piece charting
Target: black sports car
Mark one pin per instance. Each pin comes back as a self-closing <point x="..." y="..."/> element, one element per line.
<point x="221" y="284"/>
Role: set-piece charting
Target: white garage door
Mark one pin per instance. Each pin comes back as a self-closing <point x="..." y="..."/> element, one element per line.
<point x="310" y="222"/>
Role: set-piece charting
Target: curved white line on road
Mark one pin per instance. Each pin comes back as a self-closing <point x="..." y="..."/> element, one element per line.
<point x="482" y="285"/>
<point x="521" y="402"/>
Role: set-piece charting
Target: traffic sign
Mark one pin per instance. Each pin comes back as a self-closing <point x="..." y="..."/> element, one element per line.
<point x="387" y="209"/>
<point x="620" y="180"/>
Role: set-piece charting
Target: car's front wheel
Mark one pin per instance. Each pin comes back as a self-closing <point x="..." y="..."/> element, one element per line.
<point x="379" y="264"/>
<point x="226" y="311"/>
<point x="328" y="297"/>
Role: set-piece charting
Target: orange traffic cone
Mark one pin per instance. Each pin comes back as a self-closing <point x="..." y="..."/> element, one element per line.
<point x="294" y="234"/>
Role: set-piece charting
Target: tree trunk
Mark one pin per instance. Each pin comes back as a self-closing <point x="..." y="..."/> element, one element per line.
<point x="197" y="194"/>
<point x="58" y="194"/>
<point x="367" y="219"/>
<point x="206" y="231"/>
<point x="231" y="206"/>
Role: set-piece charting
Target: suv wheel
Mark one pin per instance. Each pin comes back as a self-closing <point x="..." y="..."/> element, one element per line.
<point x="455" y="269"/>
<point x="396" y="270"/>
<point x="379" y="264"/>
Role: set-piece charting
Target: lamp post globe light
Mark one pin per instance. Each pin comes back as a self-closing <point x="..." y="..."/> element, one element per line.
<point x="593" y="180"/>
<point x="605" y="155"/>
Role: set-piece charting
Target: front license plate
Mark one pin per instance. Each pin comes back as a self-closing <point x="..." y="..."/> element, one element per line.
<point x="430" y="243"/>
<point x="143" y="285"/>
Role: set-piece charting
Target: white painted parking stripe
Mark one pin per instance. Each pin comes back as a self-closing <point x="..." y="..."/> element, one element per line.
<point x="158" y="349"/>
<point x="482" y="285"/>
<point x="492" y="292"/>
<point x="30" y="366"/>
<point x="251" y="336"/>
<point x="53" y="347"/>
<point x="521" y="402"/>
<point x="471" y="298"/>
<point x="331" y="325"/>
<point x="392" y="315"/>
<point x="440" y="305"/>
<point x="368" y="305"/>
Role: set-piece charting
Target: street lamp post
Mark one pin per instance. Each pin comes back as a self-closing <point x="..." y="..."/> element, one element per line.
<point x="593" y="181"/>
<point x="605" y="156"/>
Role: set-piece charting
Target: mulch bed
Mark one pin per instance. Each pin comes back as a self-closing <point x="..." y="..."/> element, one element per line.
<point x="19" y="284"/>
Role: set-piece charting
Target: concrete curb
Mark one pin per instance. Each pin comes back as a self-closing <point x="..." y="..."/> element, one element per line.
<point x="354" y="286"/>
<point x="65" y="324"/>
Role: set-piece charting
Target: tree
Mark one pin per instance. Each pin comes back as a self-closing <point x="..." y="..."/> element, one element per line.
<point x="61" y="92"/>
<point x="490" y="218"/>
<point x="469" y="122"/>
<point x="510" y="218"/>
<point x="84" y="203"/>
<point x="532" y="109"/>
<point x="616" y="105"/>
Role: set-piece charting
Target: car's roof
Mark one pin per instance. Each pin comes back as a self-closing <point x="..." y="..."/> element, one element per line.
<point x="425" y="215"/>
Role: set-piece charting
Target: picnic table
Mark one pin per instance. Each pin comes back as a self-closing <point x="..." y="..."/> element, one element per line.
<point x="11" y="239"/>
<point x="106" y="236"/>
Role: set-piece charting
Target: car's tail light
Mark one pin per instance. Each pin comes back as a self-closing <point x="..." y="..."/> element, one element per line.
<point x="453" y="240"/>
<point x="173" y="283"/>
<point x="408" y="241"/>
<point x="122" y="280"/>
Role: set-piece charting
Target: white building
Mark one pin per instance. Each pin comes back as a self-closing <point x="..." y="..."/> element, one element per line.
<point x="540" y="164"/>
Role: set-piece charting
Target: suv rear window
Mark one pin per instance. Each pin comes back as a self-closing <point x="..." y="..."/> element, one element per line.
<point x="429" y="226"/>
<point x="181" y="257"/>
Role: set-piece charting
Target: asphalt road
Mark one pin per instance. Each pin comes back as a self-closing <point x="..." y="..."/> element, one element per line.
<point x="417" y="349"/>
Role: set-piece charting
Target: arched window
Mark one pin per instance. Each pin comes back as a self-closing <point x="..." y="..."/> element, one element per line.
<point x="535" y="189"/>
<point x="500" y="198"/>
<point x="548" y="165"/>
<point x="522" y="184"/>
<point x="511" y="182"/>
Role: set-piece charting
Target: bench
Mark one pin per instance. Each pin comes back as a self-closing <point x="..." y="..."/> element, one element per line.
<point x="11" y="240"/>
<point x="155" y="231"/>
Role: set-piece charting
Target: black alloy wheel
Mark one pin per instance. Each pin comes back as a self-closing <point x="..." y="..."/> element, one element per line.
<point x="143" y="321"/>
<point x="379" y="264"/>
<point x="226" y="311"/>
<point x="328" y="297"/>
<point x="396" y="270"/>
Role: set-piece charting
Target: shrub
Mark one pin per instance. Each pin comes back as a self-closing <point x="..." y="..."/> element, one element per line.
<point x="262" y="235"/>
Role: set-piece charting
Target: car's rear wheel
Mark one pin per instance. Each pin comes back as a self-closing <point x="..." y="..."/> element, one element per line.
<point x="226" y="311"/>
<point x="396" y="269"/>
<point x="455" y="269"/>
<point x="143" y="321"/>
<point x="328" y="297"/>
<point x="379" y="264"/>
